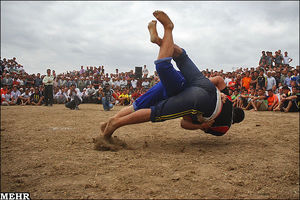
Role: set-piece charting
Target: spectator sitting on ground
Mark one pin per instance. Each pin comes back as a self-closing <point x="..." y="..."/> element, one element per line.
<point x="260" y="103"/>
<point x="74" y="98"/>
<point x="292" y="100"/>
<point x="25" y="98"/>
<point x="242" y="101"/>
<point x="90" y="94"/>
<point x="235" y="97"/>
<point x="6" y="98"/>
<point x="99" y="96"/>
<point x="15" y="94"/>
<point x="36" y="98"/>
<point x="124" y="98"/>
<point x="272" y="100"/>
<point x="249" y="99"/>
<point x="61" y="96"/>
<point x="296" y="77"/>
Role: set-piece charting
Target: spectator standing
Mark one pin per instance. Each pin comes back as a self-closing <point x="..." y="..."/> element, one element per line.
<point x="254" y="77"/>
<point x="145" y="71"/>
<point x="263" y="59"/>
<point x="270" y="81"/>
<point x="287" y="80"/>
<point x="48" y="82"/>
<point x="81" y="70"/>
<point x="38" y="80"/>
<point x="278" y="59"/>
<point x="286" y="59"/>
<point x="246" y="81"/>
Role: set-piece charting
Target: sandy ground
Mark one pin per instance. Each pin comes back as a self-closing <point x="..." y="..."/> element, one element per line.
<point x="49" y="152"/>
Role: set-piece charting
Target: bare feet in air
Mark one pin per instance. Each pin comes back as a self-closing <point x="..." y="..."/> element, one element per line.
<point x="153" y="33"/>
<point x="164" y="19"/>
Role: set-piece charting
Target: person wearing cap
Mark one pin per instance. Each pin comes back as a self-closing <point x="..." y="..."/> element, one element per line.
<point x="48" y="82"/>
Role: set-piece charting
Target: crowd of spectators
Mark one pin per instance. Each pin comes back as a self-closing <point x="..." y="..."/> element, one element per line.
<point x="273" y="85"/>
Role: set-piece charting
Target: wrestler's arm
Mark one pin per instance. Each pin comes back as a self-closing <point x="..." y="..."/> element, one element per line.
<point x="187" y="123"/>
<point x="219" y="82"/>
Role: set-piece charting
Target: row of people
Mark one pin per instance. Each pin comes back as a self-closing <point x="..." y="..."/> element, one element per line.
<point x="283" y="99"/>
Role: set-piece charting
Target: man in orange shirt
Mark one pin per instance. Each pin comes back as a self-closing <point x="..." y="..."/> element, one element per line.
<point x="246" y="81"/>
<point x="272" y="100"/>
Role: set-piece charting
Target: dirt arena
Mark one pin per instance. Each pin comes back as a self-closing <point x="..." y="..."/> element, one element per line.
<point x="49" y="152"/>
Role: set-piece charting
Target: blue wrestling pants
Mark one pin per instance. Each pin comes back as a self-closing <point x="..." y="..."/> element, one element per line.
<point x="178" y="94"/>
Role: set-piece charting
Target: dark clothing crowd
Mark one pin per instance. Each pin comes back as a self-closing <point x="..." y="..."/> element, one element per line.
<point x="273" y="85"/>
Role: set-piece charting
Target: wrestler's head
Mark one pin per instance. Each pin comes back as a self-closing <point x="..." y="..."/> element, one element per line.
<point x="238" y="115"/>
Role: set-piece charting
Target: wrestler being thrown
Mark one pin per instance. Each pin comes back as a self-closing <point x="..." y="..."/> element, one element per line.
<point x="205" y="109"/>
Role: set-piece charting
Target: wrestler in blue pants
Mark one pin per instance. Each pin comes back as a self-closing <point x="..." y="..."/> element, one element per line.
<point x="183" y="86"/>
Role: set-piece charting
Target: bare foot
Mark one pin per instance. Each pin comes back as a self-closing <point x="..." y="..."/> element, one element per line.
<point x="164" y="19"/>
<point x="110" y="128"/>
<point x="103" y="126"/>
<point x="153" y="33"/>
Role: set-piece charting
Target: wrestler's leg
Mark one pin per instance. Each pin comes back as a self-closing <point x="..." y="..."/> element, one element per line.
<point x="143" y="115"/>
<point x="154" y="38"/>
<point x="172" y="80"/>
<point x="140" y="116"/>
<point x="189" y="70"/>
<point x="123" y="112"/>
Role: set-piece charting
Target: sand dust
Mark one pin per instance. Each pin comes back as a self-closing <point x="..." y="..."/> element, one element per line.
<point x="49" y="152"/>
<point x="111" y="144"/>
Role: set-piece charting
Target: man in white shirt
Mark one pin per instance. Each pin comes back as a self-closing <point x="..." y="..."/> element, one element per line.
<point x="133" y="83"/>
<point x="145" y="84"/>
<point x="25" y="97"/>
<point x="48" y="82"/>
<point x="270" y="81"/>
<point x="90" y="94"/>
<point x="74" y="97"/>
<point x="227" y="78"/>
<point x="15" y="94"/>
<point x="123" y="83"/>
<point x="145" y="72"/>
<point x="61" y="96"/>
<point x="286" y="59"/>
